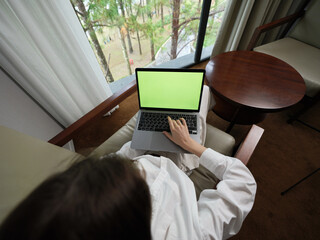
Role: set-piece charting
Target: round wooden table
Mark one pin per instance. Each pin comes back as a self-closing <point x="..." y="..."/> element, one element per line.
<point x="246" y="85"/>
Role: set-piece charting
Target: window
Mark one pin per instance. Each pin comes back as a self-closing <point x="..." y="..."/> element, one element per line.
<point x="126" y="34"/>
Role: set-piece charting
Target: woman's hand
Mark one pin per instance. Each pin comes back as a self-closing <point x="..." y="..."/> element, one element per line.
<point x="180" y="136"/>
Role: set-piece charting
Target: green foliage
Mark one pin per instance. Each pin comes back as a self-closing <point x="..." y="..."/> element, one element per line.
<point x="104" y="13"/>
<point x="214" y="24"/>
<point x="143" y="16"/>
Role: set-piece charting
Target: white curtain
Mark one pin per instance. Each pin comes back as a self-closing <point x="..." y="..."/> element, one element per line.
<point x="44" y="48"/>
<point x="232" y="27"/>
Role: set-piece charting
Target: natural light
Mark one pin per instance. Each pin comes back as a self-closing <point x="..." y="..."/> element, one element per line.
<point x="126" y="34"/>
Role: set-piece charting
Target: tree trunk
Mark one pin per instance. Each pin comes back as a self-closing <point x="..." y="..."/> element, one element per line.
<point x="129" y="41"/>
<point x="142" y="12"/>
<point x="162" y="21"/>
<point x="139" y="43"/>
<point x="128" y="33"/>
<point x="175" y="28"/>
<point x="151" y="34"/>
<point x="152" y="48"/>
<point x="143" y="20"/>
<point x="130" y="7"/>
<point x="95" y="41"/>
<point x="124" y="50"/>
<point x="156" y="12"/>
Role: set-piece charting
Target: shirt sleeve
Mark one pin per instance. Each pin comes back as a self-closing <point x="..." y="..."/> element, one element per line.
<point x="222" y="210"/>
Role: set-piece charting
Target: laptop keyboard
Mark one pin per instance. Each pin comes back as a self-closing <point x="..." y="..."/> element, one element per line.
<point x="158" y="122"/>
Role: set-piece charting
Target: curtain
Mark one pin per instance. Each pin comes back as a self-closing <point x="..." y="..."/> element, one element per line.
<point x="266" y="11"/>
<point x="45" y="50"/>
<point x="242" y="17"/>
<point x="232" y="26"/>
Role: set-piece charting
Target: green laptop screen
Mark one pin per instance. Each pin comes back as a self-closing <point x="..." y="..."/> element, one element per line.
<point x="170" y="90"/>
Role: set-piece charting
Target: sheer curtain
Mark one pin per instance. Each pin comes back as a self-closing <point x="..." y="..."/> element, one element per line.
<point x="44" y="48"/>
<point x="242" y="17"/>
<point x="232" y="27"/>
<point x="264" y="12"/>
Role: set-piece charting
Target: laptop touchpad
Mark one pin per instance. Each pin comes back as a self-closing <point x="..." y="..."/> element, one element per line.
<point x="162" y="143"/>
<point x="159" y="139"/>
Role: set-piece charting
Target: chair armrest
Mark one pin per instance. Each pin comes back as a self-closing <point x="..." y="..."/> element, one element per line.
<point x="249" y="144"/>
<point x="263" y="28"/>
<point x="67" y="134"/>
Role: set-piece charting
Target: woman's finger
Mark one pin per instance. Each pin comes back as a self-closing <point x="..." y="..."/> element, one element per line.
<point x="170" y="122"/>
<point x="183" y="121"/>
<point x="174" y="122"/>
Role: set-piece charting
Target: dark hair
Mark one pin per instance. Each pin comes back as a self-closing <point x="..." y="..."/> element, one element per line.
<point x="94" y="199"/>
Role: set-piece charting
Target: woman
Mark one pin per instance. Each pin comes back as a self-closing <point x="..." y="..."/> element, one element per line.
<point x="143" y="198"/>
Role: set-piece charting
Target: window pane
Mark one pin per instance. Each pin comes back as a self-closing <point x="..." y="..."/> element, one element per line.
<point x="217" y="11"/>
<point x="126" y="34"/>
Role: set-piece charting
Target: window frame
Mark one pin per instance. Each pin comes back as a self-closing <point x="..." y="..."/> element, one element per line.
<point x="200" y="55"/>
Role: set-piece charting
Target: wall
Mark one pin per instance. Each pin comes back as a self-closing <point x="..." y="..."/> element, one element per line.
<point x="19" y="112"/>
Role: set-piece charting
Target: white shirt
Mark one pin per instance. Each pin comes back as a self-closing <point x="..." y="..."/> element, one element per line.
<point x="176" y="214"/>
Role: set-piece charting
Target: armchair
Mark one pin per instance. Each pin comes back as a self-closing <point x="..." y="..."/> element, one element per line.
<point x="25" y="161"/>
<point x="300" y="48"/>
<point x="216" y="139"/>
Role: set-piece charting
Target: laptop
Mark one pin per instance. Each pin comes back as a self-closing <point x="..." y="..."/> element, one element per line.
<point x="164" y="92"/>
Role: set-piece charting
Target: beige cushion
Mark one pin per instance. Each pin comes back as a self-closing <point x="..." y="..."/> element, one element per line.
<point x="216" y="139"/>
<point x="219" y="141"/>
<point x="303" y="57"/>
<point x="116" y="141"/>
<point x="307" y="29"/>
<point x="25" y="162"/>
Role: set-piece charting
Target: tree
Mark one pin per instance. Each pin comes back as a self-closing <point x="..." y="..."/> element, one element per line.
<point x="124" y="48"/>
<point x="120" y="2"/>
<point x="150" y="29"/>
<point x="133" y="21"/>
<point x="88" y="27"/>
<point x="190" y="13"/>
<point x="104" y="13"/>
<point x="161" y="11"/>
<point x="175" y="28"/>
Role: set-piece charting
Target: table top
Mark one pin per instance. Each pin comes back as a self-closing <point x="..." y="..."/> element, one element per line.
<point x="255" y="80"/>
